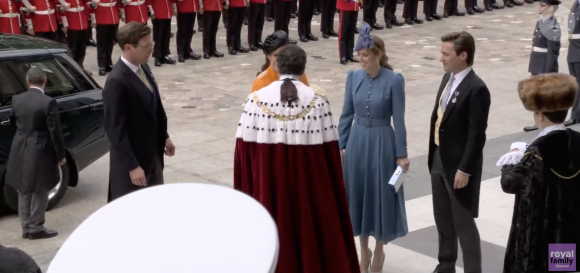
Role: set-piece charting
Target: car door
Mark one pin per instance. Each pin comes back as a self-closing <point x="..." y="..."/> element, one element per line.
<point x="9" y="87"/>
<point x="80" y="100"/>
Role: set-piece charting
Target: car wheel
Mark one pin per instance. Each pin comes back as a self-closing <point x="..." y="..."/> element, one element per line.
<point x="54" y="195"/>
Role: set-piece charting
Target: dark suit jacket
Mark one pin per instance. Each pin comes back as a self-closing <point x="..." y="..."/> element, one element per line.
<point x="462" y="136"/>
<point x="136" y="125"/>
<point x="37" y="145"/>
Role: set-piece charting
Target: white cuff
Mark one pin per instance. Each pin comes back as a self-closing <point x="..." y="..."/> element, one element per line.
<point x="464" y="173"/>
<point x="511" y="158"/>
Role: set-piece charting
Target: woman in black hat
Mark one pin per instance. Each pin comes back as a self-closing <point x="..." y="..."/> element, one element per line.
<point x="269" y="73"/>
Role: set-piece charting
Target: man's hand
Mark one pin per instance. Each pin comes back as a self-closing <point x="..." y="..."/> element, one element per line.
<point x="461" y="180"/>
<point x="30" y="31"/>
<point x="67" y="6"/>
<point x="64" y="29"/>
<point x="404" y="162"/>
<point x="138" y="177"/>
<point x="169" y="148"/>
<point x="62" y="162"/>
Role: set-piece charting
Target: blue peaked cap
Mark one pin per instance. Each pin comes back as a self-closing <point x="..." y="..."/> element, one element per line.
<point x="365" y="40"/>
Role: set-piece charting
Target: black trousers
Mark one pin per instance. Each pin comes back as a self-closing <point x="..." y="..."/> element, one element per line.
<point x="48" y="35"/>
<point x="282" y="11"/>
<point x="200" y="20"/>
<point x="575" y="71"/>
<point x="389" y="10"/>
<point x="453" y="220"/>
<point x="410" y="9"/>
<point x="327" y="17"/>
<point x="211" y="21"/>
<point x="161" y="37"/>
<point x="256" y="23"/>
<point x="236" y="17"/>
<point x="305" y="14"/>
<point x="105" y="36"/>
<point x="294" y="6"/>
<point x="346" y="33"/>
<point x="89" y="32"/>
<point x="370" y="8"/>
<point x="429" y="7"/>
<point x="451" y="6"/>
<point x="224" y="15"/>
<point x="269" y="9"/>
<point x="77" y="44"/>
<point x="184" y="35"/>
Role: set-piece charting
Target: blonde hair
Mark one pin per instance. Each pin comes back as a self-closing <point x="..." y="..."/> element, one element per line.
<point x="379" y="50"/>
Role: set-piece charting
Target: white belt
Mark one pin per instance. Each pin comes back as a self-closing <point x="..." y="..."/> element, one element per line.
<point x="108" y="5"/>
<point x="573" y="36"/>
<point x="539" y="49"/>
<point x="44" y="12"/>
<point x="138" y="3"/>
<point x="8" y="15"/>
<point x="77" y="9"/>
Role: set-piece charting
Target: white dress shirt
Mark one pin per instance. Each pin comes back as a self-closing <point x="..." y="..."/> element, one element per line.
<point x="37" y="88"/>
<point x="457" y="79"/>
<point x="133" y="67"/>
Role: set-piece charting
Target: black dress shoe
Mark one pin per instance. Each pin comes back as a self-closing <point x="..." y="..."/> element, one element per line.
<point x="312" y="37"/>
<point x="509" y="4"/>
<point x="418" y="21"/>
<point x="217" y="54"/>
<point x="377" y="26"/>
<point x="316" y="12"/>
<point x="428" y="18"/>
<point x="291" y="41"/>
<point x="270" y="19"/>
<point x="194" y="32"/>
<point x="45" y="234"/>
<point x="172" y="35"/>
<point x="497" y="6"/>
<point x="571" y="122"/>
<point x="304" y="39"/>
<point x="478" y="9"/>
<point x="232" y="51"/>
<point x="397" y="23"/>
<point x="206" y="55"/>
<point x="193" y="56"/>
<point x="488" y="8"/>
<point x="102" y="71"/>
<point x="446" y="14"/>
<point x="436" y="16"/>
<point x="180" y="59"/>
<point x="530" y="128"/>
<point x="389" y="25"/>
<point x="325" y="35"/>
<point x="459" y="13"/>
<point x="158" y="62"/>
<point x="24" y="235"/>
<point x="200" y="29"/>
<point x="168" y="60"/>
<point x="245" y="22"/>
<point x="109" y="68"/>
<point x="254" y="48"/>
<point x="343" y="61"/>
<point x="293" y="16"/>
<point x="470" y="11"/>
<point x="519" y="3"/>
<point x="409" y="21"/>
<point x="92" y="43"/>
<point x="242" y="49"/>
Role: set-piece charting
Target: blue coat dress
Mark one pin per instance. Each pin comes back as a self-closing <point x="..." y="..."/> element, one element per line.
<point x="372" y="148"/>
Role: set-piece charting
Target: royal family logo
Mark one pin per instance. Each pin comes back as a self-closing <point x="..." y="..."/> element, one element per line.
<point x="562" y="257"/>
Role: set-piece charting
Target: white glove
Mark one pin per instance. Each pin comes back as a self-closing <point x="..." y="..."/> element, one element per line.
<point x="511" y="158"/>
<point x="522" y="146"/>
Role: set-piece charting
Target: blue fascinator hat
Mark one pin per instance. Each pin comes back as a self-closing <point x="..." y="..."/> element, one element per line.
<point x="365" y="40"/>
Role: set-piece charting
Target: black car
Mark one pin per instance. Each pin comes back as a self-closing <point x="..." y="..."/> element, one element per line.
<point x="80" y="104"/>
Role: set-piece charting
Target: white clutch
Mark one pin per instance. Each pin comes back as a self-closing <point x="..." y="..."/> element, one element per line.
<point x="397" y="178"/>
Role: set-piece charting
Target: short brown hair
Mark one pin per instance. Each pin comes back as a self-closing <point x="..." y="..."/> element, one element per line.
<point x="462" y="42"/>
<point x="132" y="33"/>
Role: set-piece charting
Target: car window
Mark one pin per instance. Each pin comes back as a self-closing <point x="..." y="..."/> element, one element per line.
<point x="79" y="78"/>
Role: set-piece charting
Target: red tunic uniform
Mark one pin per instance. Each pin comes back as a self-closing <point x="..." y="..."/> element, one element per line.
<point x="212" y="5"/>
<point x="106" y="13"/>
<point x="9" y="22"/>
<point x="237" y="3"/>
<point x="134" y="10"/>
<point x="187" y="6"/>
<point x="44" y="18"/>
<point x="258" y="1"/>
<point x="346" y="5"/>
<point x="76" y="15"/>
<point x="163" y="9"/>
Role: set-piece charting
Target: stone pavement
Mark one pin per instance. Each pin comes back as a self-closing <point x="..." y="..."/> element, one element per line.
<point x="203" y="100"/>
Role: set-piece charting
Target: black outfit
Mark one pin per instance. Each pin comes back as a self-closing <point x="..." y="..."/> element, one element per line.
<point x="282" y="11"/>
<point x="269" y="9"/>
<point x="14" y="260"/>
<point x="53" y="36"/>
<point x="105" y="45"/>
<point x="546" y="38"/>
<point x="370" y="8"/>
<point x="136" y="125"/>
<point x="77" y="43"/>
<point x="184" y="35"/>
<point x="37" y="148"/>
<point x="236" y="16"/>
<point x="389" y="10"/>
<point x="256" y="15"/>
<point x="161" y="37"/>
<point x="327" y="17"/>
<point x="461" y="141"/>
<point x="410" y="9"/>
<point x="346" y="34"/>
<point x="546" y="186"/>
<point x="305" y="14"/>
<point x="430" y="7"/>
<point x="211" y="22"/>
<point x="451" y="7"/>
<point x="574" y="53"/>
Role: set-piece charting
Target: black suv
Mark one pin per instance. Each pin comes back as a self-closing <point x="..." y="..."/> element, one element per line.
<point x="80" y="104"/>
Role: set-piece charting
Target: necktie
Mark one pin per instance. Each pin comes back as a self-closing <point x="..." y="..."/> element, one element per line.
<point x="447" y="93"/>
<point x="144" y="79"/>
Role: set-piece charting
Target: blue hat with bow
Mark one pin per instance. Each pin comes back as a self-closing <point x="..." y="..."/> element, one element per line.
<point x="365" y="40"/>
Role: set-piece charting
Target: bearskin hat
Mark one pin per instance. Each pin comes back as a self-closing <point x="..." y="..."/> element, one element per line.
<point x="548" y="92"/>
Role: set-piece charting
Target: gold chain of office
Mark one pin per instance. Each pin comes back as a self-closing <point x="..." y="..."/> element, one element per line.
<point x="317" y="92"/>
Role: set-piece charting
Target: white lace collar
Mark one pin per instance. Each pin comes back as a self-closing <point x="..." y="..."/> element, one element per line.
<point x="549" y="129"/>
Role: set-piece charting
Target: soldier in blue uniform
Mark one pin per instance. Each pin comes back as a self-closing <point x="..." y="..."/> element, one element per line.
<point x="574" y="56"/>
<point x="546" y="43"/>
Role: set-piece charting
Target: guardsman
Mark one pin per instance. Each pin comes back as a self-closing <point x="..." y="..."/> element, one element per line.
<point x="9" y="21"/>
<point x="75" y="24"/>
<point x="327" y="19"/>
<point x="211" y="10"/>
<point x="430" y="10"/>
<point x="545" y="43"/>
<point x="574" y="56"/>
<point x="282" y="13"/>
<point x="370" y="8"/>
<point x="305" y="14"/>
<point x="133" y="10"/>
<point x="42" y="18"/>
<point x="186" y="14"/>
<point x="410" y="12"/>
<point x="161" y="13"/>
<point x="105" y="18"/>
<point x="236" y="15"/>
<point x="256" y="16"/>
<point x="348" y="18"/>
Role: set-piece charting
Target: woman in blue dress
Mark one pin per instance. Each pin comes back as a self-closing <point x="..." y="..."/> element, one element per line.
<point x="374" y="95"/>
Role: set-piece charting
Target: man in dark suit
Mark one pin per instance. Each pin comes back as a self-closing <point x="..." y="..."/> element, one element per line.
<point x="135" y="120"/>
<point x="456" y="142"/>
<point x="36" y="152"/>
<point x="574" y="56"/>
<point x="545" y="43"/>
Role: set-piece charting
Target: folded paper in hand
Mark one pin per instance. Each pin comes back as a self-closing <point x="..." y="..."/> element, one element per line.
<point x="397" y="178"/>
